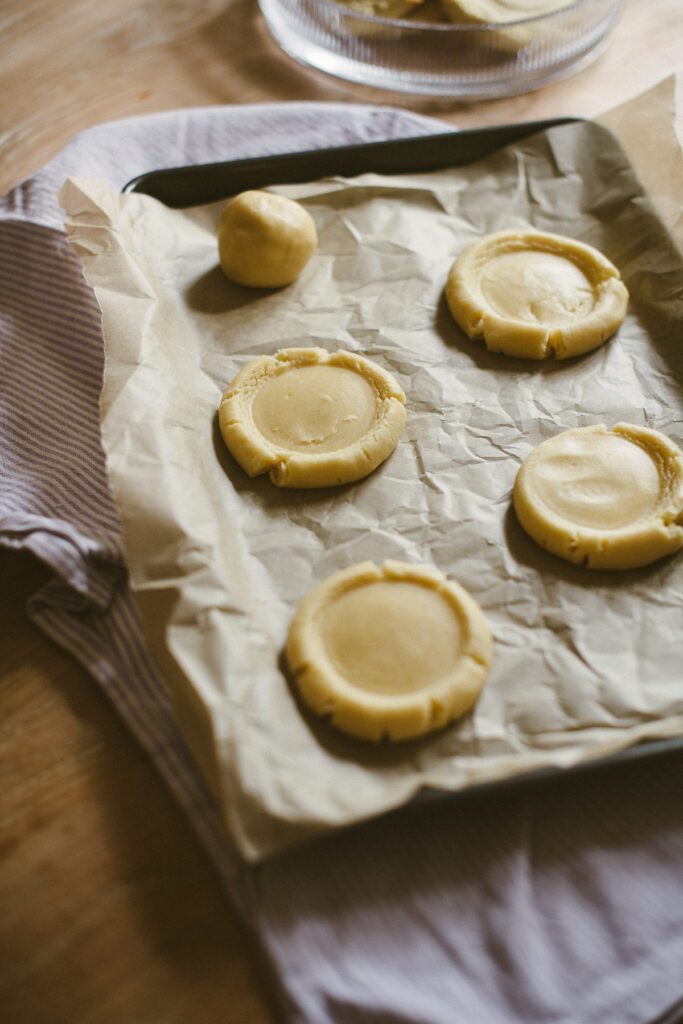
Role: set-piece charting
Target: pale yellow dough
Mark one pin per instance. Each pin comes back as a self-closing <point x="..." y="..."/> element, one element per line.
<point x="531" y="294"/>
<point x="310" y="418"/>
<point x="382" y="8"/>
<point x="607" y="499"/>
<point x="511" y="13"/>
<point x="498" y="12"/>
<point x="393" y="652"/>
<point x="265" y="240"/>
<point x="428" y="13"/>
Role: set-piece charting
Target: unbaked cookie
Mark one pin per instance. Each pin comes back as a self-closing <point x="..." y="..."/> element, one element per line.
<point x="265" y="240"/>
<point x="532" y="294"/>
<point x="394" y="651"/>
<point x="607" y="499"/>
<point x="310" y="418"/>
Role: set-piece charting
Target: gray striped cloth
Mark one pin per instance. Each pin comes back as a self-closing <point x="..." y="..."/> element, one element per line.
<point x="557" y="903"/>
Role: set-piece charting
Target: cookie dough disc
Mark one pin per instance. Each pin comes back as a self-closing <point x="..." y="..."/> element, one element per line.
<point x="392" y="651"/>
<point x="610" y="499"/>
<point x="532" y="295"/>
<point x="265" y="240"/>
<point x="312" y="419"/>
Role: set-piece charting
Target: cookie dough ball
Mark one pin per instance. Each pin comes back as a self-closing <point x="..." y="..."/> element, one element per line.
<point x="393" y="651"/>
<point x="532" y="294"/>
<point x="310" y="418"/>
<point x="265" y="240"/>
<point x="606" y="499"/>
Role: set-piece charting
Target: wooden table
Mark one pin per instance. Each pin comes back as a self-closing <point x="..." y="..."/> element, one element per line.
<point x="109" y="911"/>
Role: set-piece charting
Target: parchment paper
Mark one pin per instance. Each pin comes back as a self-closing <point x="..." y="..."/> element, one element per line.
<point x="585" y="663"/>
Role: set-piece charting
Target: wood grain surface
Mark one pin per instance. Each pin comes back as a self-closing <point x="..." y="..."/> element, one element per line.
<point x="70" y="64"/>
<point x="109" y="911"/>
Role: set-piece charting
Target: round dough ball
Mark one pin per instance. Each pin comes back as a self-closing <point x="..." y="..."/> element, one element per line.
<point x="532" y="294"/>
<point x="393" y="651"/>
<point x="310" y="418"/>
<point x="265" y="240"/>
<point x="606" y="499"/>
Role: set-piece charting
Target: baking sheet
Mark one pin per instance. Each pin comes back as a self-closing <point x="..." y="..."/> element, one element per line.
<point x="584" y="663"/>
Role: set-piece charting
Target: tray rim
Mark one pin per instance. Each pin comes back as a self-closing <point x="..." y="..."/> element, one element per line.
<point x="476" y="143"/>
<point x="455" y="147"/>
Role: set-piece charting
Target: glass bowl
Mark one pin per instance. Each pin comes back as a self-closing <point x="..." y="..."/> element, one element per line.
<point x="465" y="61"/>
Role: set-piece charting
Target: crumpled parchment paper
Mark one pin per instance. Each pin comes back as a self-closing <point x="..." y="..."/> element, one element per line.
<point x="585" y="663"/>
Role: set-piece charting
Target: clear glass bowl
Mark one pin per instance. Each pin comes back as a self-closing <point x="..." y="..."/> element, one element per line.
<point x="466" y="61"/>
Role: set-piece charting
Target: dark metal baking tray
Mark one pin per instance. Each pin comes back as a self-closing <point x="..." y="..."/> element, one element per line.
<point x="206" y="183"/>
